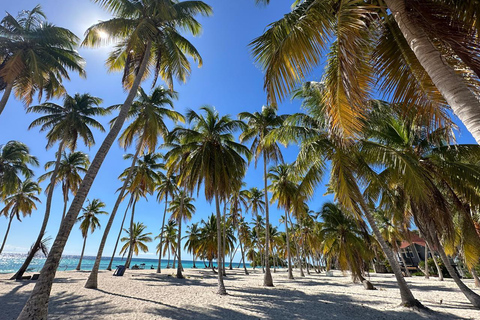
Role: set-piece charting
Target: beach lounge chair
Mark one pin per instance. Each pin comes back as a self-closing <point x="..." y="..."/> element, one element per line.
<point x="35" y="276"/>
<point x="119" y="271"/>
<point x="142" y="266"/>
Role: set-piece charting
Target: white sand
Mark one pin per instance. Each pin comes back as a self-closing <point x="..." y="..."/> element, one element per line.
<point x="143" y="294"/>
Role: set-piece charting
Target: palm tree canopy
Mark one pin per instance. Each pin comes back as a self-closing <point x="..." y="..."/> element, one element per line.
<point x="137" y="238"/>
<point x="36" y="55"/>
<point x="136" y="23"/>
<point x="22" y="201"/>
<point x="182" y="205"/>
<point x="145" y="174"/>
<point x="89" y="219"/>
<point x="71" y="120"/>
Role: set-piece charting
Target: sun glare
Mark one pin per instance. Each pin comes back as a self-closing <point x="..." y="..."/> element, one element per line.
<point x="102" y="34"/>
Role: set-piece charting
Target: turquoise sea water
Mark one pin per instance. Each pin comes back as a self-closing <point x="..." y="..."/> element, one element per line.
<point x="11" y="262"/>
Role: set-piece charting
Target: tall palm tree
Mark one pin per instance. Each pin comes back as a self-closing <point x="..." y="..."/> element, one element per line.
<point x="148" y="41"/>
<point x="148" y="125"/>
<point x="208" y="246"/>
<point x="22" y="201"/>
<point x="68" y="173"/>
<point x="193" y="241"/>
<point x="89" y="221"/>
<point x="36" y="56"/>
<point x="214" y="160"/>
<point x="166" y="187"/>
<point x="136" y="238"/>
<point x="15" y="159"/>
<point x="169" y="242"/>
<point x="256" y="204"/>
<point x="259" y="125"/>
<point x="415" y="59"/>
<point x="181" y="208"/>
<point x="64" y="124"/>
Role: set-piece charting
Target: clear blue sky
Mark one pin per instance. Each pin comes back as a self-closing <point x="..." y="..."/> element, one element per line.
<point x="229" y="80"/>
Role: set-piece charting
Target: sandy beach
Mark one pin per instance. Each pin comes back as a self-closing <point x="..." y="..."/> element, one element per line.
<point x="143" y="294"/>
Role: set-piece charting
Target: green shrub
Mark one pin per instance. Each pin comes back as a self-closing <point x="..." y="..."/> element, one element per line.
<point x="432" y="269"/>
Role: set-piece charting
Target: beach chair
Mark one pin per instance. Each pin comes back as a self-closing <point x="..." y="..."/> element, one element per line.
<point x="119" y="271"/>
<point x="142" y="266"/>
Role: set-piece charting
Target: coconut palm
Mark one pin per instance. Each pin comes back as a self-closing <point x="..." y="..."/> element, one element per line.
<point x="149" y="41"/>
<point x="260" y="125"/>
<point x="22" y="201"/>
<point x="208" y="246"/>
<point x="35" y="57"/>
<point x="15" y="159"/>
<point x="193" y="241"/>
<point x="136" y="238"/>
<point x="181" y="208"/>
<point x="89" y="221"/>
<point x="214" y="160"/>
<point x="169" y="241"/>
<point x="68" y="174"/>
<point x="166" y="187"/>
<point x="399" y="42"/>
<point x="65" y="124"/>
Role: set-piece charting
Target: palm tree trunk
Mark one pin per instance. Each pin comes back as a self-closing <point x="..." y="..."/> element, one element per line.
<point x="407" y="272"/>
<point x="6" y="95"/>
<point x="179" y="240"/>
<point x="427" y="275"/>
<point x="130" y="251"/>
<point x="267" y="279"/>
<point x="439" y="270"/>
<point x="243" y="258"/>
<point x="168" y="261"/>
<point x="6" y="233"/>
<point x="475" y="276"/>
<point x="297" y="252"/>
<point x="452" y="87"/>
<point x="408" y="300"/>
<point x="224" y="227"/>
<point x="48" y="207"/>
<point x="81" y="256"/>
<point x="109" y="268"/>
<point x="65" y="202"/>
<point x="221" y="285"/>
<point x="159" y="268"/>
<point x="289" y="258"/>
<point x="36" y="306"/>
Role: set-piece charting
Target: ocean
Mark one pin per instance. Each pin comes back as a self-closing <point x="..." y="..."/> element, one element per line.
<point x="11" y="262"/>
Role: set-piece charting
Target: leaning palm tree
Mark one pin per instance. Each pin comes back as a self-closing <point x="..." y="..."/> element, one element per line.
<point x="260" y="125"/>
<point x="68" y="174"/>
<point x="207" y="154"/>
<point x="167" y="186"/>
<point x="89" y="221"/>
<point x="15" y="159"/>
<point x="148" y="41"/>
<point x="35" y="57"/>
<point x="421" y="52"/>
<point x="181" y="208"/>
<point x="136" y="238"/>
<point x="65" y="124"/>
<point x="22" y="201"/>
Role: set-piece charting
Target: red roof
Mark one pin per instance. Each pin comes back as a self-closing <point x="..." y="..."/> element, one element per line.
<point x="413" y="239"/>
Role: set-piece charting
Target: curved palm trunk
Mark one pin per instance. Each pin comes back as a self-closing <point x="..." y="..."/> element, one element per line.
<point x="65" y="202"/>
<point x="6" y="233"/>
<point x="408" y="300"/>
<point x="36" y="306"/>
<point x="46" y="217"/>
<point x="6" y="95"/>
<point x="439" y="270"/>
<point x="159" y="268"/>
<point x="300" y="262"/>
<point x="407" y="272"/>
<point x="221" y="285"/>
<point x="243" y="258"/>
<point x="475" y="276"/>
<point x="267" y="279"/>
<point x="427" y="275"/>
<point x="179" y="241"/>
<point x="130" y="250"/>
<point x="81" y="256"/>
<point x="109" y="268"/>
<point x="289" y="258"/>
<point x="453" y="89"/>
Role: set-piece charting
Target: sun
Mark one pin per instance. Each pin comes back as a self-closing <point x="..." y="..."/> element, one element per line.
<point x="102" y="34"/>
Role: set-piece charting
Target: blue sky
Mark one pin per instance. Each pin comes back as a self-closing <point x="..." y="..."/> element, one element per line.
<point x="228" y="80"/>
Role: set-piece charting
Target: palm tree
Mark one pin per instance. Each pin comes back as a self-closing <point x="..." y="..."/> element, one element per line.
<point x="136" y="238"/>
<point x="214" y="160"/>
<point x="68" y="173"/>
<point x="169" y="242"/>
<point x="15" y="159"/>
<point x="259" y="126"/>
<point x="66" y="124"/>
<point x="193" y="241"/>
<point x="36" y="56"/>
<point x="22" y="201"/>
<point x="147" y="42"/>
<point x="256" y="203"/>
<point x="167" y="186"/>
<point x="89" y="221"/>
<point x="181" y="208"/>
<point x="147" y="126"/>
<point x="414" y="57"/>
<point x="208" y="246"/>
